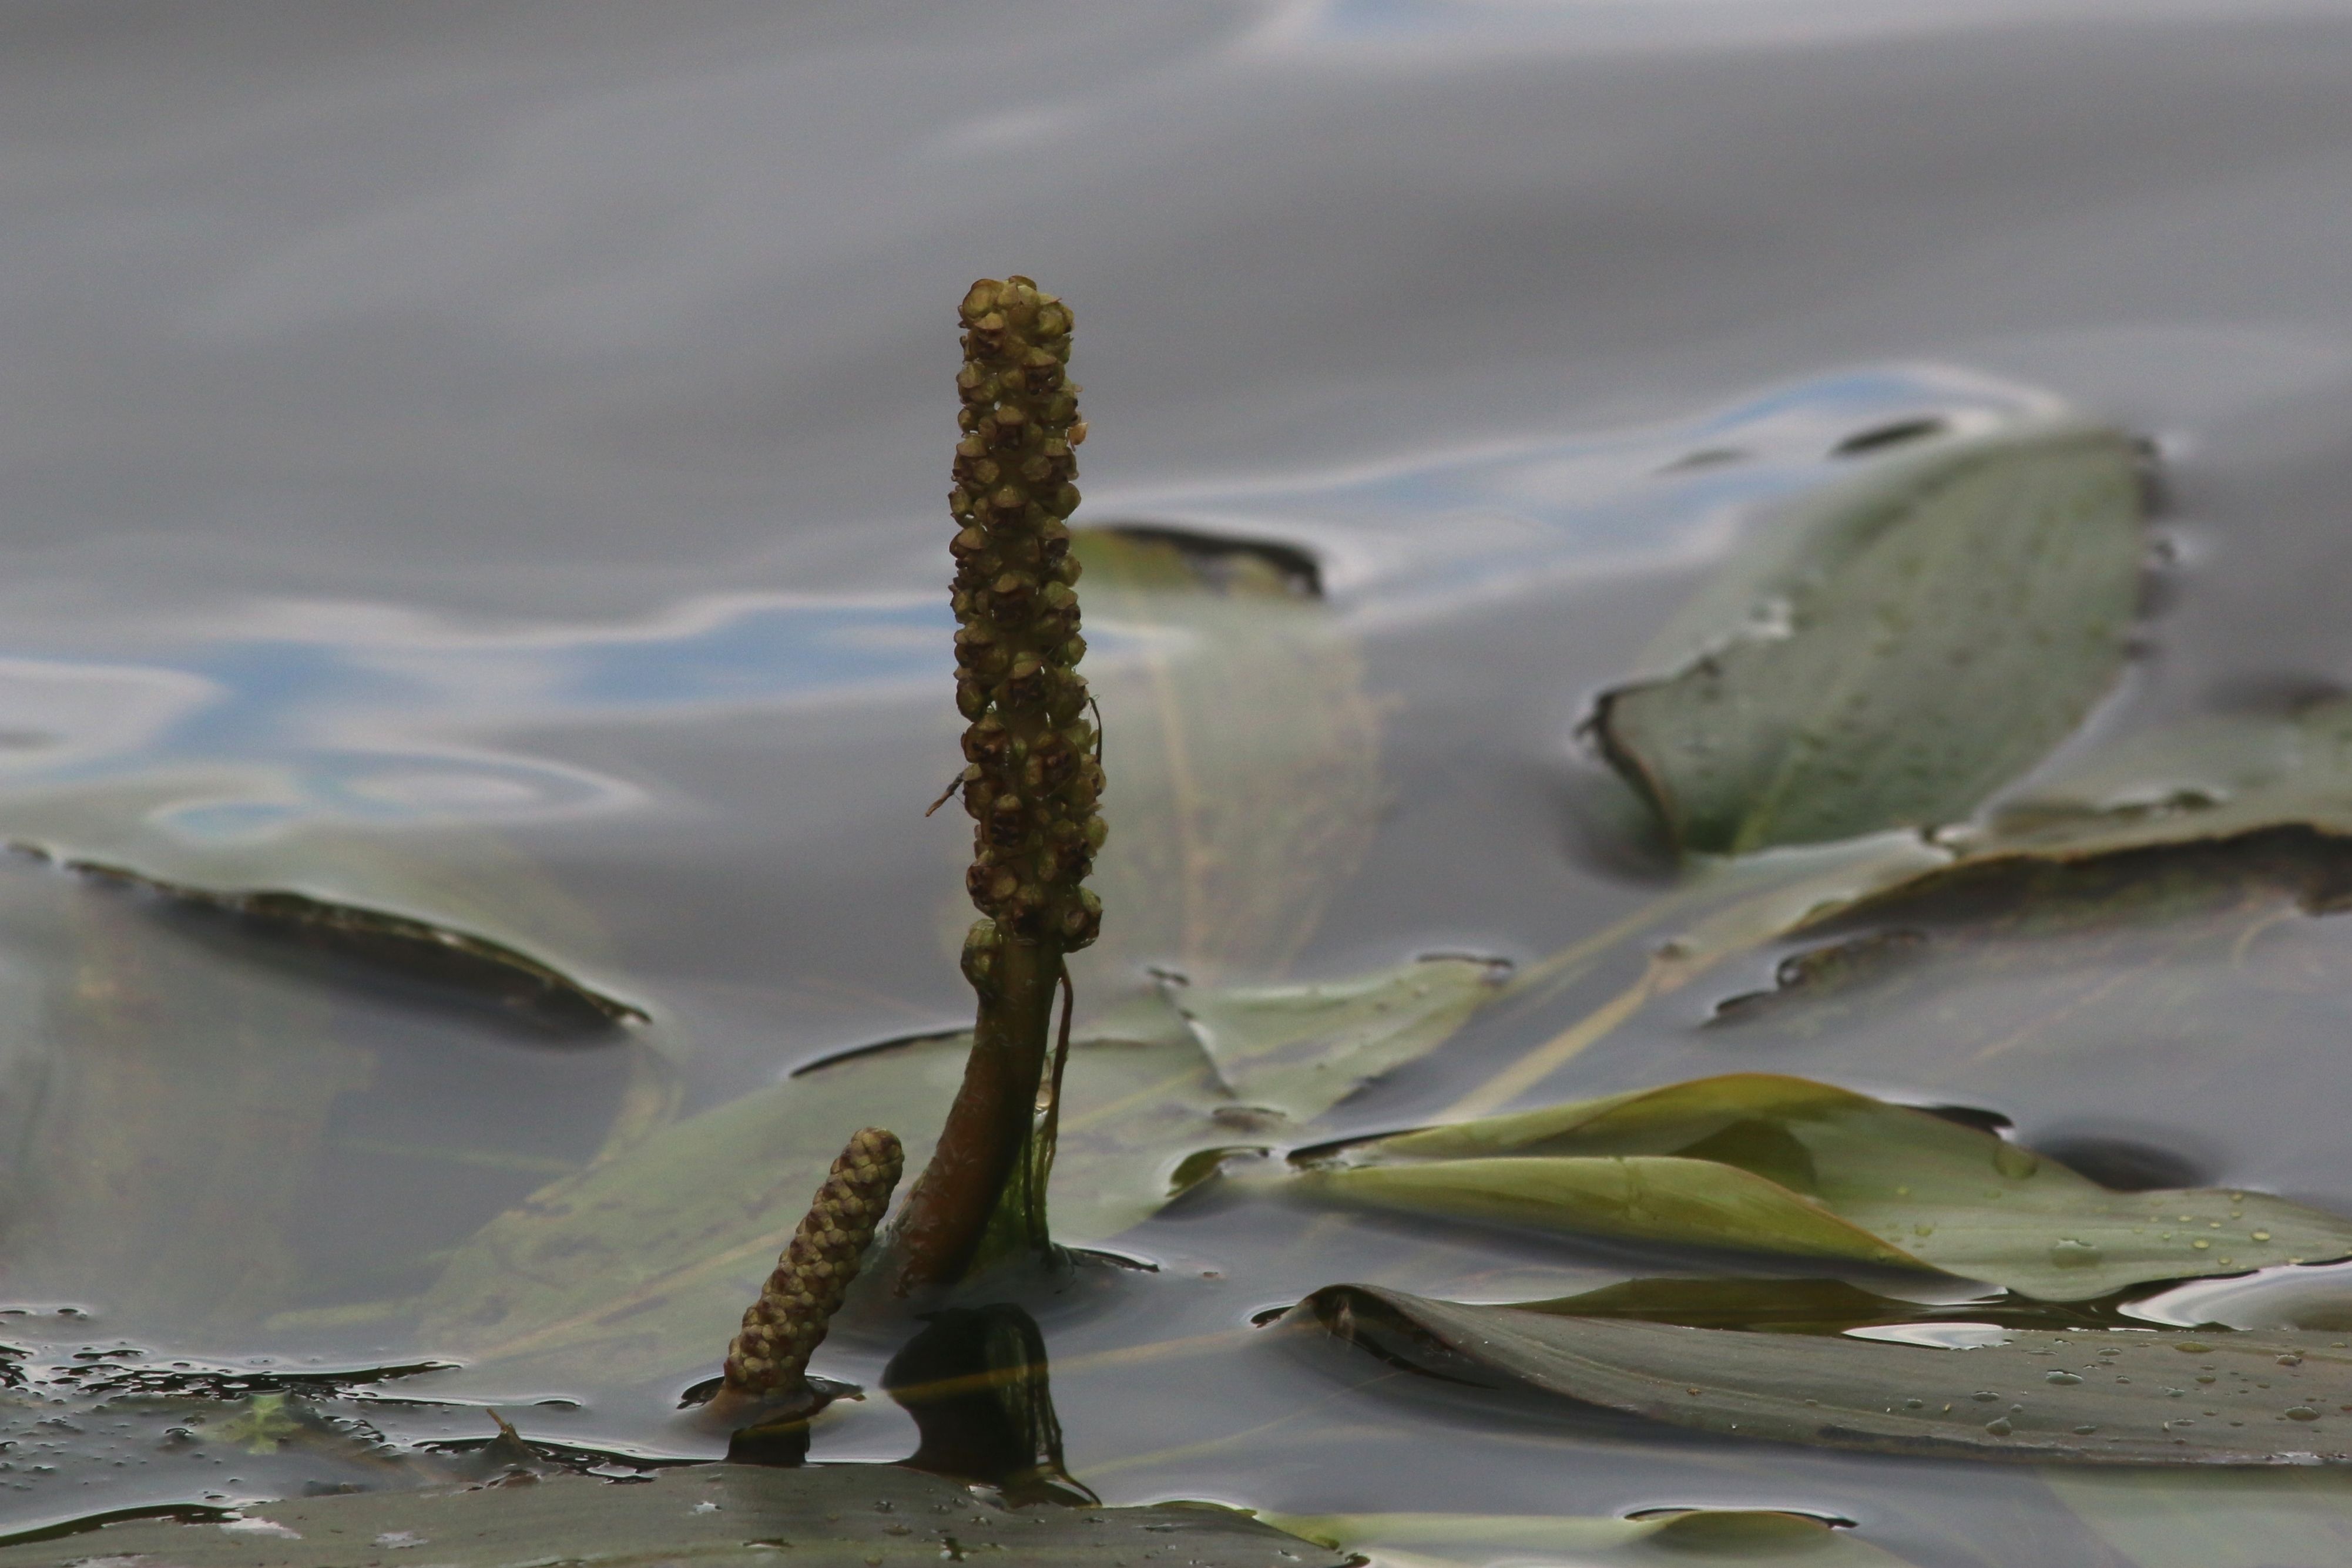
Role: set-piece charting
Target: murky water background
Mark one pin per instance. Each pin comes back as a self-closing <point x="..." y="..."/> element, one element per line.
<point x="489" y="462"/>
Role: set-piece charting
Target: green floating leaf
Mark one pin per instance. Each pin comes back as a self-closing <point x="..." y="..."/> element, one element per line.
<point x="1893" y="651"/>
<point x="1697" y="1537"/>
<point x="2078" y="1397"/>
<point x="721" y="1516"/>
<point x="645" y="1261"/>
<point x="1775" y="1164"/>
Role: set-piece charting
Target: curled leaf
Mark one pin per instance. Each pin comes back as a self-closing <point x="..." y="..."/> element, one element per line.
<point x="394" y="945"/>
<point x="2072" y="1396"/>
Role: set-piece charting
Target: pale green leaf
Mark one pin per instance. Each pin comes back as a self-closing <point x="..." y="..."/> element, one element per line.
<point x="1299" y="1050"/>
<point x="1775" y="1164"/>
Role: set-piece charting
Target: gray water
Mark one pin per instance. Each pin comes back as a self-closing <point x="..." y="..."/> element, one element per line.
<point x="487" y="461"/>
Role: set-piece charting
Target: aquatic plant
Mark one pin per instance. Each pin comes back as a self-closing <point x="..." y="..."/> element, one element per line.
<point x="1031" y="779"/>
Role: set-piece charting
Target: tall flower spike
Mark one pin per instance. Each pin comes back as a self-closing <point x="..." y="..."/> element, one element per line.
<point x="1032" y="777"/>
<point x="1032" y="781"/>
<point x="786" y="1326"/>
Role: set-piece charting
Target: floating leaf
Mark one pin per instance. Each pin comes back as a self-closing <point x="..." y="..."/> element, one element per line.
<point x="726" y="1516"/>
<point x="645" y="1261"/>
<point x="1776" y="1164"/>
<point x="1696" y="1537"/>
<point x="1889" y="653"/>
<point x="2091" y="1396"/>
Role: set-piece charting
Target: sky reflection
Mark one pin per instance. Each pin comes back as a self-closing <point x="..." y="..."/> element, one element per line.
<point x="372" y="714"/>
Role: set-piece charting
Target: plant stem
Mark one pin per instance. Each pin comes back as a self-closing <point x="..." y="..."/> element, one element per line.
<point x="1032" y="777"/>
<point x="987" y="1138"/>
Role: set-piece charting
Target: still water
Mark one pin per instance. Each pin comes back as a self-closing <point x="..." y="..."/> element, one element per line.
<point x="487" y="463"/>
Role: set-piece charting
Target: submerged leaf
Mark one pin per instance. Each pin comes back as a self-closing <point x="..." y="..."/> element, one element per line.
<point x="1695" y="1538"/>
<point x="645" y="1260"/>
<point x="2216" y="1518"/>
<point x="2089" y="1396"/>
<point x="1775" y="1164"/>
<point x="1242" y="750"/>
<point x="720" y="1515"/>
<point x="1891" y="651"/>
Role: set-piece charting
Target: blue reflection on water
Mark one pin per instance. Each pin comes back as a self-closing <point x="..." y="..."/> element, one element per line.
<point x="377" y="715"/>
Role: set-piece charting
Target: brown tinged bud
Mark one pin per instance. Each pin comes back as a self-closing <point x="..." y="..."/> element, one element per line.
<point x="771" y="1354"/>
<point x="1031" y="783"/>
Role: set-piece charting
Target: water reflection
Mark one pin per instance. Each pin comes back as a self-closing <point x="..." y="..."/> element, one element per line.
<point x="303" y="713"/>
<point x="975" y="1381"/>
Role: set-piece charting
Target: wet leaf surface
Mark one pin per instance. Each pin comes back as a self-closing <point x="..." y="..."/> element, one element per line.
<point x="1776" y="1164"/>
<point x="2091" y="1396"/>
<point x="715" y="1515"/>
<point x="1889" y="652"/>
<point x="646" y="1260"/>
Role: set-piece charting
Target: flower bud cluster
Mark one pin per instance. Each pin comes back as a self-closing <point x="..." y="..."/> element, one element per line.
<point x="1031" y="779"/>
<point x="785" y="1326"/>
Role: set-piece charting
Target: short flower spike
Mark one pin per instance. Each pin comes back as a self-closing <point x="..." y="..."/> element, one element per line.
<point x="786" y="1326"/>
